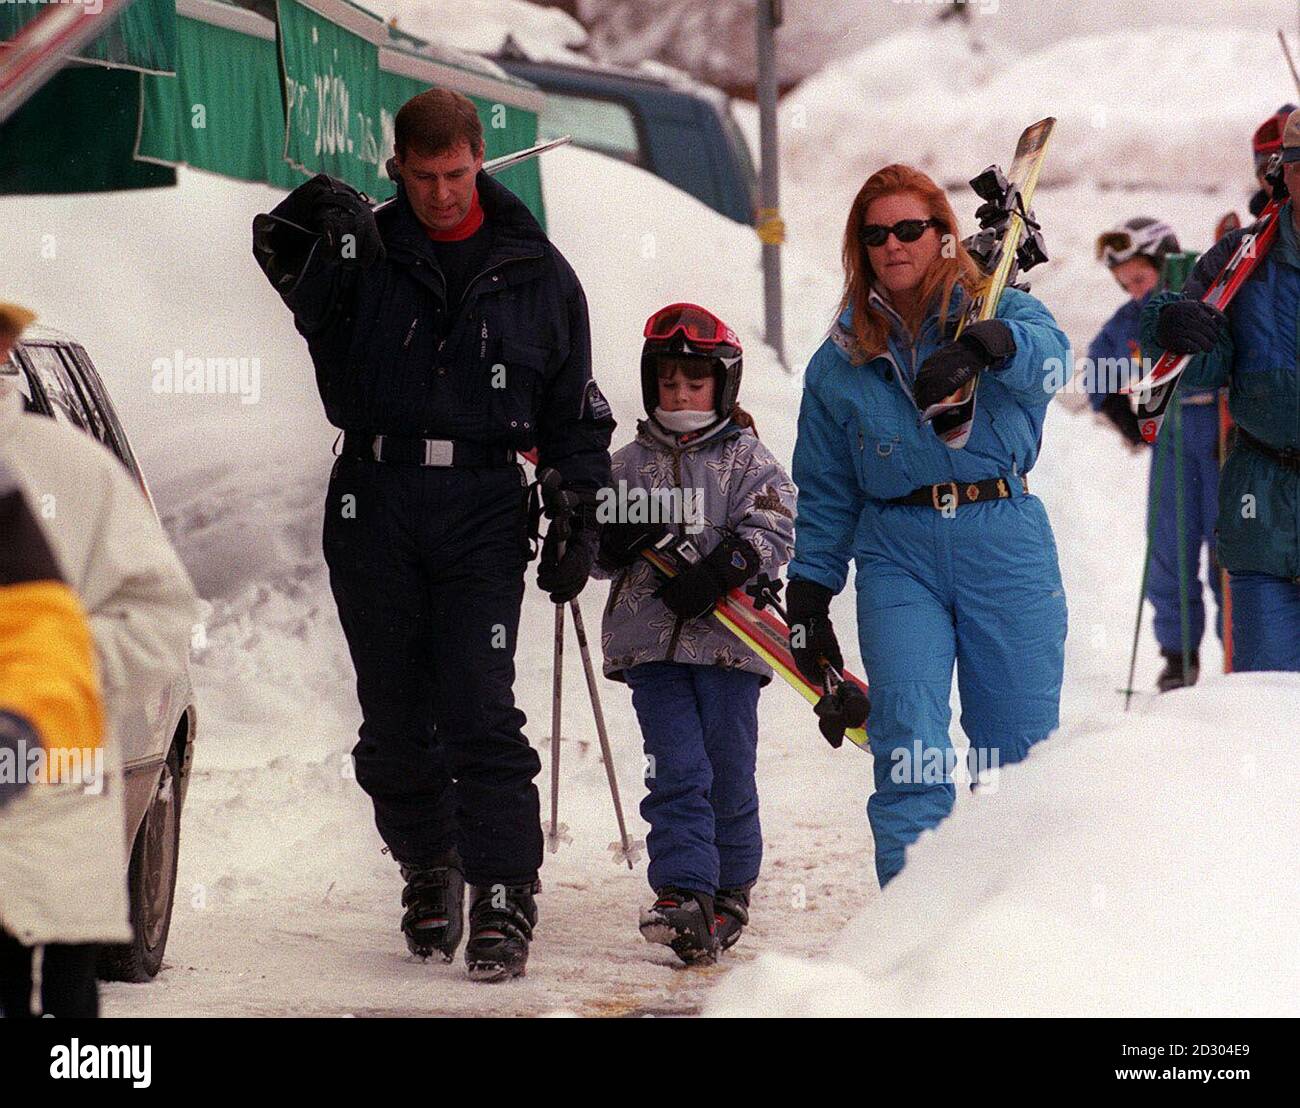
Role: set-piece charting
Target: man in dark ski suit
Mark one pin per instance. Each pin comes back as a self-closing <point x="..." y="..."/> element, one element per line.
<point x="447" y="333"/>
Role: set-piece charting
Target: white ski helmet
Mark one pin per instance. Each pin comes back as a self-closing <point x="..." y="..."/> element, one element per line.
<point x="1139" y="237"/>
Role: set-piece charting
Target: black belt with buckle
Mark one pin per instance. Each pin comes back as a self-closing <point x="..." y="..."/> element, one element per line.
<point x="1287" y="456"/>
<point x="957" y="494"/>
<point x="411" y="451"/>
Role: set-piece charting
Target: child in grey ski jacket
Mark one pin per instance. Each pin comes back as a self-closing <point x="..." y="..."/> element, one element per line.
<point x="696" y="471"/>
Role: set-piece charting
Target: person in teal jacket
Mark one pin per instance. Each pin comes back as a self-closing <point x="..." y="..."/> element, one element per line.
<point x="956" y="561"/>
<point x="1253" y="352"/>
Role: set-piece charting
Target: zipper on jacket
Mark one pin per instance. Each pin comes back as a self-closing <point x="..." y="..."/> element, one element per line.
<point x="679" y="622"/>
<point x="407" y="341"/>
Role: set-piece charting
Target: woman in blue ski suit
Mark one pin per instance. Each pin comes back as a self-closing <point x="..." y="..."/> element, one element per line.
<point x="956" y="562"/>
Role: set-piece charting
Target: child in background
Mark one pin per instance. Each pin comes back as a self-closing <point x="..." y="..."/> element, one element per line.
<point x="694" y="685"/>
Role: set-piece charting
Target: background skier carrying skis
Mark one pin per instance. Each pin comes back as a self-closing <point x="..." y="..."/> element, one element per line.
<point x="1251" y="350"/>
<point x="1135" y="252"/>
<point x="956" y="562"/>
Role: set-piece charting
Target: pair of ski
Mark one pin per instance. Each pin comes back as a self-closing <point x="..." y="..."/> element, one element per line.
<point x="1155" y="390"/>
<point x="1007" y="244"/>
<point x="751" y="614"/>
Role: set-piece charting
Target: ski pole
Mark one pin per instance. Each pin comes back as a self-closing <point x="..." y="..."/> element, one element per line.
<point x="1153" y="506"/>
<point x="558" y="832"/>
<point x="625" y="849"/>
<point x="553" y="499"/>
<point x="560" y="509"/>
<point x="1290" y="63"/>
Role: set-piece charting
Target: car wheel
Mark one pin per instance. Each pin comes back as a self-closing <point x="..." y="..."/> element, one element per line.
<point x="151" y="883"/>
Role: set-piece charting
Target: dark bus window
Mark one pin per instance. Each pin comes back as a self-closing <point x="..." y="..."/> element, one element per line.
<point x="76" y="382"/>
<point x="14" y="378"/>
<point x="53" y="377"/>
<point x="88" y="378"/>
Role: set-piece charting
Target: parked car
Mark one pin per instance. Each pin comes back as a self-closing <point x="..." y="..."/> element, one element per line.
<point x="680" y="131"/>
<point x="57" y="379"/>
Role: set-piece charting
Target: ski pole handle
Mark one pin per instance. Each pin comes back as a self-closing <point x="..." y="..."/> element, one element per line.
<point x="558" y="505"/>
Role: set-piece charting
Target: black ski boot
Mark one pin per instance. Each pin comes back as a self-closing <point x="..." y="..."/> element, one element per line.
<point x="684" y="922"/>
<point x="731" y="915"/>
<point x="501" y="922"/>
<point x="434" y="899"/>
<point x="1174" y="675"/>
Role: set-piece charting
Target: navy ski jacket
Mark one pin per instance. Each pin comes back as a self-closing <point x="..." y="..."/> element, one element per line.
<point x="510" y="364"/>
<point x="1259" y="498"/>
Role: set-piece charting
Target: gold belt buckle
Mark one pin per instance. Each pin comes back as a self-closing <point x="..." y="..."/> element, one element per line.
<point x="935" y="491"/>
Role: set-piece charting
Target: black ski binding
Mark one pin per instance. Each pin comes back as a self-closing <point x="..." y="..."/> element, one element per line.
<point x="1001" y="200"/>
<point x="766" y="593"/>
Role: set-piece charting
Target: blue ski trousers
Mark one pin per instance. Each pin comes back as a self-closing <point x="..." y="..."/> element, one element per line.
<point x="699" y="725"/>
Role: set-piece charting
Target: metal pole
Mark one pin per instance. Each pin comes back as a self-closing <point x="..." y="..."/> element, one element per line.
<point x="558" y="832"/>
<point x="625" y="849"/>
<point x="771" y="229"/>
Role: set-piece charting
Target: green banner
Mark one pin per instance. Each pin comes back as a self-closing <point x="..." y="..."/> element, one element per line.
<point x="222" y="111"/>
<point x="248" y="101"/>
<point x="143" y="37"/>
<point x="76" y="134"/>
<point x="331" y="89"/>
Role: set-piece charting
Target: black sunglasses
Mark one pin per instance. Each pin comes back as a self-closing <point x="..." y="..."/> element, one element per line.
<point x="905" y="230"/>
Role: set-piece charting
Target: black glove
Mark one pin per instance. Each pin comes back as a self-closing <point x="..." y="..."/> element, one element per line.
<point x="1189" y="326"/>
<point x="563" y="575"/>
<point x="1117" y="409"/>
<point x="952" y="365"/>
<point x="621" y="543"/>
<point x="848" y="706"/>
<point x="321" y="208"/>
<point x="347" y="224"/>
<point x="694" y="592"/>
<point x="807" y="605"/>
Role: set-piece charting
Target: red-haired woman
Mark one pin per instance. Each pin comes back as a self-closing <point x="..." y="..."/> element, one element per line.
<point x="956" y="562"/>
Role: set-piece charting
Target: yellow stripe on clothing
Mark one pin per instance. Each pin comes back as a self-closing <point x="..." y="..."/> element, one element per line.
<point x="47" y="665"/>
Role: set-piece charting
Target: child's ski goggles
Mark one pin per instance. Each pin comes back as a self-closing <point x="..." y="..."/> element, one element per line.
<point x="1118" y="246"/>
<point x="700" y="326"/>
<point x="905" y="230"/>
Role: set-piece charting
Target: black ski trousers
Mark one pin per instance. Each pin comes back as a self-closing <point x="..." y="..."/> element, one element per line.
<point x="68" y="989"/>
<point x="427" y="569"/>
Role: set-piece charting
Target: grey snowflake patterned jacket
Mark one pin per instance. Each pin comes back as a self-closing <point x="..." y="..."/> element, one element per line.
<point x="726" y="479"/>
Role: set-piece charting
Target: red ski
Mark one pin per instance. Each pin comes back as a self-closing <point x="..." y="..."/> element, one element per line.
<point x="1156" y="389"/>
<point x="765" y="634"/>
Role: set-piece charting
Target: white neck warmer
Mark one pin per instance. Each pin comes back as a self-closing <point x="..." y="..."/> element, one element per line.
<point x="683" y="422"/>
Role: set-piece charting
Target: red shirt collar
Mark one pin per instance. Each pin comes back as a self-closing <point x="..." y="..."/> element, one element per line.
<point x="472" y="222"/>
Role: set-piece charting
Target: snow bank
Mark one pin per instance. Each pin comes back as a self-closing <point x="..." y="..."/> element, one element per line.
<point x="1169" y="106"/>
<point x="1147" y="867"/>
<point x="481" y="26"/>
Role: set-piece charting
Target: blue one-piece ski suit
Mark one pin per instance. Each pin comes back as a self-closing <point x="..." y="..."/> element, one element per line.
<point x="979" y="586"/>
